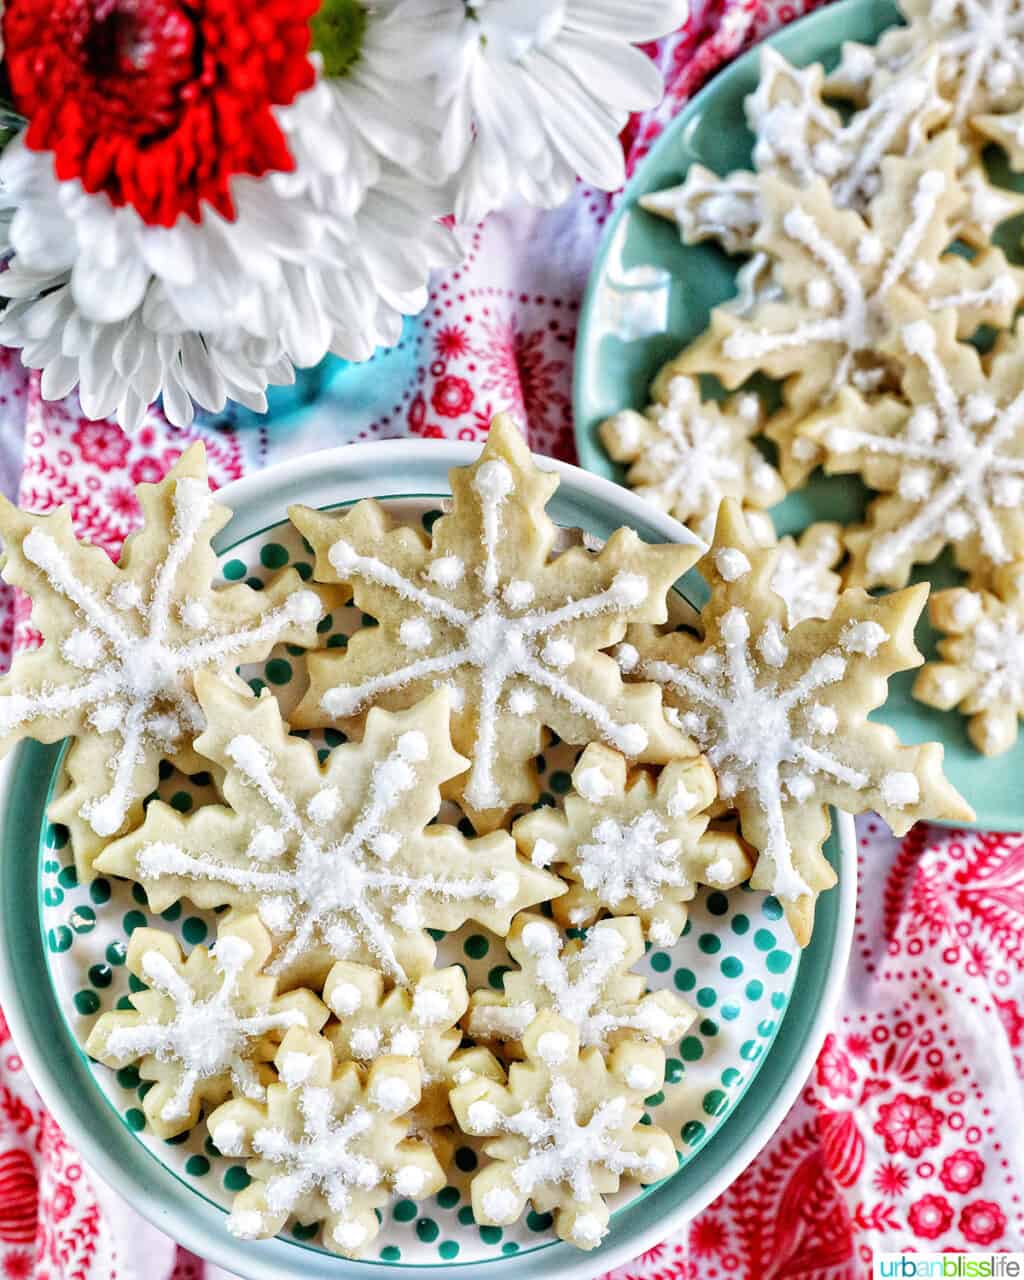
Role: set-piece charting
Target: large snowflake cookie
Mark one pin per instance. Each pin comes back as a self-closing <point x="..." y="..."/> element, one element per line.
<point x="585" y="981"/>
<point x="564" y="1130"/>
<point x="329" y="1145"/>
<point x="686" y="454"/>
<point x="948" y="456"/>
<point x="981" y="667"/>
<point x="123" y="643"/>
<point x="631" y="844"/>
<point x="338" y="859"/>
<point x="782" y="714"/>
<point x="419" y="1021"/>
<point x="483" y="608"/>
<point x="203" y="1026"/>
<point x="838" y="271"/>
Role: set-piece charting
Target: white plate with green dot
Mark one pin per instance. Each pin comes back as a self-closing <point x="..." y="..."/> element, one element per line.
<point x="736" y="963"/>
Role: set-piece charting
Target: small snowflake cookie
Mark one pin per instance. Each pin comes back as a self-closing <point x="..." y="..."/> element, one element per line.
<point x="482" y="608"/>
<point x="564" y="1130"/>
<point x="122" y="645"/>
<point x="587" y="982"/>
<point x="686" y="454"/>
<point x="803" y="576"/>
<point x="203" y="1026"/>
<point x="838" y="271"/>
<point x="631" y="844"/>
<point x="339" y="860"/>
<point x="948" y="457"/>
<point x="329" y="1145"/>
<point x="782" y="714"/>
<point x="982" y="658"/>
<point x="420" y="1021"/>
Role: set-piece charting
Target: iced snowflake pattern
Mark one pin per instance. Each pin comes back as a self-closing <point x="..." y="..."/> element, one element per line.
<point x="803" y="576"/>
<point x="782" y="715"/>
<point x="586" y="982"/>
<point x="563" y="1131"/>
<point x="124" y="642"/>
<point x="949" y="456"/>
<point x="839" y="272"/>
<point x="526" y="656"/>
<point x="335" y="859"/>
<point x="204" y="1024"/>
<point x="329" y="1145"/>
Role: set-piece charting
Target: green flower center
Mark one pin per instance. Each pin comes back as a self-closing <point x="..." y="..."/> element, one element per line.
<point x="337" y="30"/>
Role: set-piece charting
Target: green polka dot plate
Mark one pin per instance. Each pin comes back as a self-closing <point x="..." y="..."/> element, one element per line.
<point x="762" y="1006"/>
<point x="649" y="295"/>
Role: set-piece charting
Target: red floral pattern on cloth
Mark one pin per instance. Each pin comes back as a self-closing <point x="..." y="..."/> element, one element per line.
<point x="904" y="1135"/>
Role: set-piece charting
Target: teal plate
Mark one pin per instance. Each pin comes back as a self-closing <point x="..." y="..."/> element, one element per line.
<point x="55" y="979"/>
<point x="642" y="271"/>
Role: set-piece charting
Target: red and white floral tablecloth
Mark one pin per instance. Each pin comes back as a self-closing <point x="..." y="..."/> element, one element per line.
<point x="908" y="1133"/>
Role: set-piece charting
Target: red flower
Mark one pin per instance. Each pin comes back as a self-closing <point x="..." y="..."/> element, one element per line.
<point x="452" y="396"/>
<point x="450" y="342"/>
<point x="982" y="1222"/>
<point x="962" y="1171"/>
<point x="158" y="104"/>
<point x="834" y="1070"/>
<point x="122" y="501"/>
<point x="17" y="1265"/>
<point x="707" y="1236"/>
<point x="891" y="1179"/>
<point x="930" y="1216"/>
<point x="147" y="471"/>
<point x="909" y="1124"/>
<point x="103" y="444"/>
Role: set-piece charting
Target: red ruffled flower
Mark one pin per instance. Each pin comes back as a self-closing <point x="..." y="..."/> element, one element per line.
<point x="962" y="1171"/>
<point x="103" y="444"/>
<point x="158" y="103"/>
<point x="930" y="1216"/>
<point x="982" y="1222"/>
<point x="452" y="396"/>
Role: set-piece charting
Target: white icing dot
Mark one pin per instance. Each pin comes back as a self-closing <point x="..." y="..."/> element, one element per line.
<point x="543" y="852"/>
<point x="350" y="1234"/>
<point x="588" y="1229"/>
<point x="324" y="806"/>
<point x="966" y="609"/>
<point x="504" y="887"/>
<point x="408" y="915"/>
<point x="296" y="1068"/>
<point x="731" y="563"/>
<point x="863" y="637"/>
<point x="553" y="1048"/>
<point x="629" y="588"/>
<point x="957" y="524"/>
<point x="539" y="939"/>
<point x="125" y="596"/>
<point x="718" y="872"/>
<point x="800" y="787"/>
<point x="735" y="627"/>
<point x="446" y="571"/>
<point x="870" y="251"/>
<point x="415" y="634"/>
<point x="429" y="1006"/>
<point x="500" y="1204"/>
<point x="680" y="802"/>
<point x="820" y="294"/>
<point x="228" y="1137"/>
<point x="822" y="719"/>
<point x="661" y="932"/>
<point x="83" y="649"/>
<point x="276" y="913"/>
<point x="365" y="1041"/>
<point x="640" y="1077"/>
<point x="522" y="702"/>
<point x="195" y="615"/>
<point x="245" y="1224"/>
<point x="559" y="653"/>
<point x="345" y="998"/>
<point x="593" y="785"/>
<point x="771" y="645"/>
<point x="518" y="594"/>
<point x="631" y="739"/>
<point x="493" y="480"/>
<point x="482" y="1116"/>
<point x="303" y="606"/>
<point x="413" y="746"/>
<point x="410" y="1181"/>
<point x="391" y="1093"/>
<point x="900" y="789"/>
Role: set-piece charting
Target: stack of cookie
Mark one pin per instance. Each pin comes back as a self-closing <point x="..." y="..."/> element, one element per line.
<point x="318" y="1037"/>
<point x="870" y="270"/>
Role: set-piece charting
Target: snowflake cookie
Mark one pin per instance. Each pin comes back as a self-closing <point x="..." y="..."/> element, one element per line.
<point x="803" y="574"/>
<point x="123" y="643"/>
<point x="482" y="608"/>
<point x="329" y="1145"/>
<point x="587" y="982"/>
<point x="338" y="859"/>
<point x="205" y="1025"/>
<point x="839" y="270"/>
<point x="782" y="714"/>
<point x="632" y="845"/>
<point x="980" y="49"/>
<point x="982" y="658"/>
<point x="564" y="1130"/>
<point x="419" y="1021"/>
<point x="686" y="454"/>
<point x="948" y="457"/>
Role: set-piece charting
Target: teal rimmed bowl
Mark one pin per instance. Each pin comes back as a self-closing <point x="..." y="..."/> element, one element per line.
<point x="643" y="269"/>
<point x="65" y="1078"/>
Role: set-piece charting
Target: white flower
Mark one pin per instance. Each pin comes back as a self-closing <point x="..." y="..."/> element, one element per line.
<point x="201" y="311"/>
<point x="536" y="92"/>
